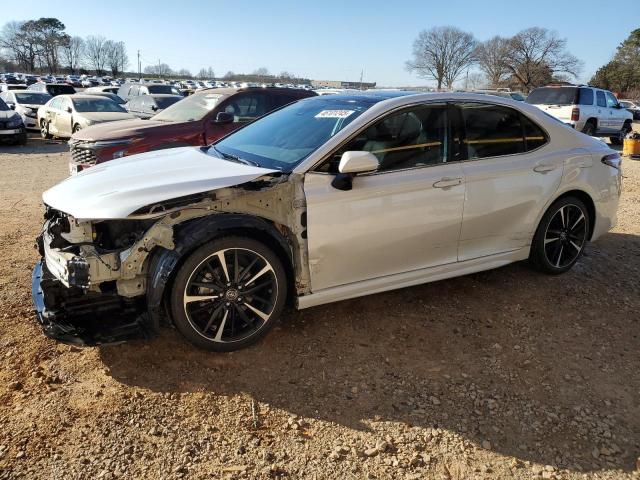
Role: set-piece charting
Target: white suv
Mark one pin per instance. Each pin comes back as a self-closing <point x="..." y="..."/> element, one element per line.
<point x="589" y="110"/>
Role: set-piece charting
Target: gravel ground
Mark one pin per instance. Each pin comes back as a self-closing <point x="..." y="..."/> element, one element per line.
<point x="501" y="374"/>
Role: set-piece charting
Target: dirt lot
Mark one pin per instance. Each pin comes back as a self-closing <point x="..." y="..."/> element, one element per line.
<point x="502" y="374"/>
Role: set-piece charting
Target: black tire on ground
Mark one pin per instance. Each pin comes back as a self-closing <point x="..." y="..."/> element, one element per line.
<point x="44" y="130"/>
<point x="246" y="296"/>
<point x="22" y="139"/>
<point x="623" y="133"/>
<point x="589" y="128"/>
<point x="561" y="236"/>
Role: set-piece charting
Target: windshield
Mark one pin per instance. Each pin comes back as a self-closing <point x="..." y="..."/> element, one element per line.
<point x="32" y="98"/>
<point x="163" y="89"/>
<point x="164" y="102"/>
<point x="553" y="96"/>
<point x="97" y="105"/>
<point x="189" y="109"/>
<point x="517" y="96"/>
<point x="3" y="106"/>
<point x="284" y="138"/>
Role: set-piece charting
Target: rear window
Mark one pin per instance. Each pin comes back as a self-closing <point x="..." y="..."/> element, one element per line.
<point x="171" y="90"/>
<point x="553" y="96"/>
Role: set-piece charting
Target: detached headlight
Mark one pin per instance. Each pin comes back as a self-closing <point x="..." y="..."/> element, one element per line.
<point x="15" y="121"/>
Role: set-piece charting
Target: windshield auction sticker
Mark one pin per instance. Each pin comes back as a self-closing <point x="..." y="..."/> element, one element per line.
<point x="334" y="113"/>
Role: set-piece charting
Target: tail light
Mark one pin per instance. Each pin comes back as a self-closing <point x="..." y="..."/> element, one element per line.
<point x="575" y="114"/>
<point x="613" y="160"/>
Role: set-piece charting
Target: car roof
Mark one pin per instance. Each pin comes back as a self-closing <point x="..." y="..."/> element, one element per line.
<point x="228" y="91"/>
<point x="161" y="95"/>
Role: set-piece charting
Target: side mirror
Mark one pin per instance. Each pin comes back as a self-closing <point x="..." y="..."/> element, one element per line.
<point x="154" y="108"/>
<point x="352" y="163"/>
<point x="223" y="118"/>
<point x="68" y="109"/>
<point x="12" y="106"/>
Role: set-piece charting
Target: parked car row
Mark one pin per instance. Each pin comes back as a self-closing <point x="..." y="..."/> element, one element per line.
<point x="199" y="119"/>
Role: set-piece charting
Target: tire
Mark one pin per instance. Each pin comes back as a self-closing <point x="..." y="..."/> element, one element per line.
<point x="623" y="133"/>
<point x="44" y="130"/>
<point x="589" y="128"/>
<point x="22" y="139"/>
<point x="561" y="236"/>
<point x="234" y="313"/>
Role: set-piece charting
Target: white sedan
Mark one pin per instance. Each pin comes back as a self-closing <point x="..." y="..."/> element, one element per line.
<point x="329" y="198"/>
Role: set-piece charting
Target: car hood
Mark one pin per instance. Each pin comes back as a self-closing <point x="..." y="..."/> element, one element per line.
<point x="118" y="188"/>
<point x="118" y="129"/>
<point x="99" y="117"/>
<point x="6" y="115"/>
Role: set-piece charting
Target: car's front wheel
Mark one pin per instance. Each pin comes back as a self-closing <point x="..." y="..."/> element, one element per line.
<point x="561" y="236"/>
<point x="228" y="293"/>
<point x="44" y="130"/>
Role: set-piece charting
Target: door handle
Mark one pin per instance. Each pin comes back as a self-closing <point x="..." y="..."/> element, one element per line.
<point x="544" y="168"/>
<point x="446" y="182"/>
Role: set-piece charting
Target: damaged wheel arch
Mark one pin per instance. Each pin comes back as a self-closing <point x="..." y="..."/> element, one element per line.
<point x="190" y="235"/>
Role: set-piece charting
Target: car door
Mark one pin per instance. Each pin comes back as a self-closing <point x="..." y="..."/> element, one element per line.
<point x="63" y="117"/>
<point x="616" y="113"/>
<point x="604" y="120"/>
<point x="509" y="177"/>
<point x="404" y="217"/>
<point x="51" y="114"/>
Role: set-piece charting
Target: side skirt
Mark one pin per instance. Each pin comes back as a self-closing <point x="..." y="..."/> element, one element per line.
<point x="409" y="279"/>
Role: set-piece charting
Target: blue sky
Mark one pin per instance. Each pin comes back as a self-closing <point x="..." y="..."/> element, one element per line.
<point x="329" y="40"/>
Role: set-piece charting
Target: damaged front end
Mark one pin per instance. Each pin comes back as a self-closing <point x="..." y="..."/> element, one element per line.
<point x="104" y="280"/>
<point x="79" y="291"/>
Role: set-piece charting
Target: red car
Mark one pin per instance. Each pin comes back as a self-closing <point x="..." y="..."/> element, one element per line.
<point x="199" y="119"/>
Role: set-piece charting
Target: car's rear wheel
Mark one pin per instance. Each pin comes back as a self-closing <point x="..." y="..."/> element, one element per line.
<point x="589" y="128"/>
<point x="623" y="133"/>
<point x="44" y="130"/>
<point x="561" y="236"/>
<point x="228" y="294"/>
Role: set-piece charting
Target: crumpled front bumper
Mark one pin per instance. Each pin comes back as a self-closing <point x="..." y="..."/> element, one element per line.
<point x="75" y="317"/>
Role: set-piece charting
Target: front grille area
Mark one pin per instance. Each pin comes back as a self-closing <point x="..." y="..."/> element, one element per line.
<point x="83" y="155"/>
<point x="3" y="125"/>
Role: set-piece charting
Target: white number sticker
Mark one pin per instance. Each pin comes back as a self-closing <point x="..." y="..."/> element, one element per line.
<point x="334" y="113"/>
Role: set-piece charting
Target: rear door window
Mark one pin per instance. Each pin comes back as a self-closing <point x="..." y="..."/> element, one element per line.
<point x="585" y="96"/>
<point x="491" y="130"/>
<point x="534" y="136"/>
<point x="600" y="99"/>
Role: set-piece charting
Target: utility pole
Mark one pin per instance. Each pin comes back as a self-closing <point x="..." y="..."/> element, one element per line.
<point x="159" y="68"/>
<point x="139" y="73"/>
<point x="361" y="75"/>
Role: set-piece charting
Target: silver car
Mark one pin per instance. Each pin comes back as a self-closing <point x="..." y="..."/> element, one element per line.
<point x="329" y="198"/>
<point x="64" y="115"/>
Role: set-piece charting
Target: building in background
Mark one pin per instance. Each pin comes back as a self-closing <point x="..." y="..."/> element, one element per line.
<point x="341" y="84"/>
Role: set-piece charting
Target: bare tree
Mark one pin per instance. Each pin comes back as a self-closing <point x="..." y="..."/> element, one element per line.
<point x="183" y="72"/>
<point x="73" y="53"/>
<point x="205" y="73"/>
<point x="96" y="52"/>
<point x="535" y="55"/>
<point x="475" y="81"/>
<point x="21" y="47"/>
<point x="161" y="70"/>
<point x="260" y="72"/>
<point x="442" y="54"/>
<point x="116" y="57"/>
<point x="490" y="55"/>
